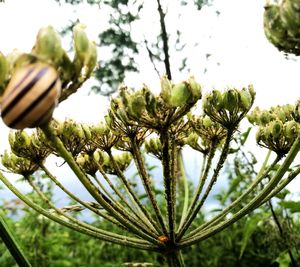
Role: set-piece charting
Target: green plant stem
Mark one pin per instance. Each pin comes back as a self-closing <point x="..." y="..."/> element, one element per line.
<point x="120" y="215"/>
<point x="104" y="235"/>
<point x="143" y="212"/>
<point x="12" y="244"/>
<point x="175" y="259"/>
<point x="261" y="175"/>
<point x="283" y="183"/>
<point x="255" y="202"/>
<point x="213" y="180"/>
<point x="204" y="174"/>
<point x="141" y="221"/>
<point x="167" y="160"/>
<point x="186" y="190"/>
<point x="78" y="200"/>
<point x="146" y="183"/>
<point x="59" y="211"/>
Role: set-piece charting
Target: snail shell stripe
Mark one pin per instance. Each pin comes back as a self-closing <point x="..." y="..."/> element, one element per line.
<point x="31" y="97"/>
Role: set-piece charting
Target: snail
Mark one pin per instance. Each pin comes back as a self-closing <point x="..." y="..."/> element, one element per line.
<point x="31" y="96"/>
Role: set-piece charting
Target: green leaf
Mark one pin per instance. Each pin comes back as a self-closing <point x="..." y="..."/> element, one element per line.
<point x="249" y="229"/>
<point x="293" y="206"/>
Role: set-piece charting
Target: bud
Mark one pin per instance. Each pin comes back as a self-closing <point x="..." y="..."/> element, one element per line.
<point x="289" y="13"/>
<point x="166" y="88"/>
<point x="265" y="117"/>
<point x="81" y="42"/>
<point x="207" y="122"/>
<point x="259" y="135"/>
<point x="296" y="112"/>
<point x="245" y="99"/>
<point x="180" y="94"/>
<point x="4" y="69"/>
<point x="137" y="104"/>
<point x="91" y="58"/>
<point x="12" y="58"/>
<point x="230" y="100"/>
<point x="150" y="99"/>
<point x="48" y="45"/>
<point x="195" y="88"/>
<point x="291" y="129"/>
<point x="277" y="128"/>
<point x="217" y="99"/>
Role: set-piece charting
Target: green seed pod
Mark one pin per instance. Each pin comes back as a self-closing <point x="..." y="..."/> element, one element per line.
<point x="290" y="15"/>
<point x="265" y="117"/>
<point x="4" y="69"/>
<point x="277" y="128"/>
<point x="296" y="111"/>
<point x="137" y="104"/>
<point x="166" y="88"/>
<point x="280" y="114"/>
<point x="12" y="58"/>
<point x="245" y="99"/>
<point x="259" y="135"/>
<point x="291" y="129"/>
<point x="31" y="96"/>
<point x="87" y="131"/>
<point x="217" y="100"/>
<point x="207" y="122"/>
<point x="230" y="100"/>
<point x="91" y="58"/>
<point x="81" y="42"/>
<point x="195" y="88"/>
<point x="48" y="45"/>
<point x="180" y="95"/>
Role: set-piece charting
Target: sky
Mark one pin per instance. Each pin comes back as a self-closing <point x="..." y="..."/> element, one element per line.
<point x="241" y="55"/>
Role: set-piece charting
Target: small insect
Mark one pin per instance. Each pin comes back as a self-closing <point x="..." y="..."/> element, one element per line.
<point x="163" y="239"/>
<point x="30" y="97"/>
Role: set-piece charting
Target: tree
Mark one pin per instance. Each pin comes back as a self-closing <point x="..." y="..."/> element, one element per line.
<point x="124" y="48"/>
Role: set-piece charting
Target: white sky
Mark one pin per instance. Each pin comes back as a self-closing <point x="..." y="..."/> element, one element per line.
<point x="235" y="39"/>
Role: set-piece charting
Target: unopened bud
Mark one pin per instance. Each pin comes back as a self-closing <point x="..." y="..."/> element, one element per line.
<point x="291" y="129"/>
<point x="4" y="69"/>
<point x="180" y="95"/>
<point x="195" y="88"/>
<point x="277" y="127"/>
<point x="246" y="99"/>
<point x="166" y="88"/>
<point x="230" y="100"/>
<point x="81" y="42"/>
<point x="207" y="122"/>
<point x="48" y="44"/>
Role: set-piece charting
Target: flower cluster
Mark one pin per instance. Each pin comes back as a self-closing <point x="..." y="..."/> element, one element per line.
<point x="277" y="127"/>
<point x="282" y="25"/>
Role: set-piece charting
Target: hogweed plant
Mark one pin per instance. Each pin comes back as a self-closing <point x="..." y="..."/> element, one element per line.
<point x="137" y="123"/>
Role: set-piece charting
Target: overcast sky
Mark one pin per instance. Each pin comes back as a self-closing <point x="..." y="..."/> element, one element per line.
<point x="235" y="39"/>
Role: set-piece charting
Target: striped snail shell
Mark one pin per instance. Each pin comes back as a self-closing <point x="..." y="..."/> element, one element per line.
<point x="31" y="96"/>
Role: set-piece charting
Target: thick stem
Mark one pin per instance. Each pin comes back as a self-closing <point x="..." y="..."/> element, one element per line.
<point x="120" y="215"/>
<point x="167" y="160"/>
<point x="175" y="259"/>
<point x="147" y="184"/>
<point x="213" y="180"/>
<point x="262" y="174"/>
<point x="85" y="204"/>
<point x="104" y="235"/>
<point x="203" y="177"/>
<point x="254" y="203"/>
<point x="12" y="244"/>
<point x="143" y="212"/>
